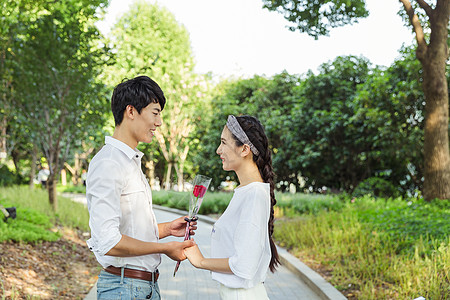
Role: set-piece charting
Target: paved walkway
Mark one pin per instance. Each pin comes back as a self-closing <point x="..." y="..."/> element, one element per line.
<point x="292" y="280"/>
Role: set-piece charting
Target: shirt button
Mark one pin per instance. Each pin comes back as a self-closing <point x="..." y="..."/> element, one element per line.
<point x="137" y="156"/>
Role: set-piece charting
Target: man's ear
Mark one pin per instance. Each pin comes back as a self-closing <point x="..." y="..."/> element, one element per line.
<point x="130" y="112"/>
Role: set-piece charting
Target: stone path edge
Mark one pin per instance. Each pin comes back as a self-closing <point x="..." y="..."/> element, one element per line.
<point x="320" y="286"/>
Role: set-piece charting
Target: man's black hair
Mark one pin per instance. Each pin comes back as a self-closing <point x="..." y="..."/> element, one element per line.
<point x="137" y="92"/>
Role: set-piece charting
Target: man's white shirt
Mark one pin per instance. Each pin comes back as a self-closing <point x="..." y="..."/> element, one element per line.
<point x="119" y="201"/>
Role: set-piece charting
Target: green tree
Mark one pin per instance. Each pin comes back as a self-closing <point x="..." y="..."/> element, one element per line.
<point x="354" y="122"/>
<point x="148" y="40"/>
<point x="323" y="147"/>
<point x="57" y="97"/>
<point x="13" y="13"/>
<point x="315" y="17"/>
<point x="389" y="111"/>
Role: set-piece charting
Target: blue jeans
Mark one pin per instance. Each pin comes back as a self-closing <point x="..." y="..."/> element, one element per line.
<point x="112" y="287"/>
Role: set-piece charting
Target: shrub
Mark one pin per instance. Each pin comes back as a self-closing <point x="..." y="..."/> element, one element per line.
<point x="29" y="226"/>
<point x="7" y="177"/>
<point x="77" y="189"/>
<point x="376" y="186"/>
<point x="294" y="204"/>
<point x="213" y="203"/>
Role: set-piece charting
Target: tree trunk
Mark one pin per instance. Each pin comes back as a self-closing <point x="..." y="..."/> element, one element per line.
<point x="435" y="87"/>
<point x="4" y="123"/>
<point x="168" y="175"/>
<point x="150" y="166"/>
<point x="51" y="187"/>
<point x="54" y="166"/>
<point x="33" y="167"/>
<point x="76" y="170"/>
<point x="15" y="159"/>
<point x="181" y="180"/>
<point x="179" y="170"/>
<point x="63" y="177"/>
<point x="433" y="57"/>
<point x="436" y="143"/>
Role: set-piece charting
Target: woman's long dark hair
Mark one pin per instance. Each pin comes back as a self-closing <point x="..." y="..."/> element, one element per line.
<point x="255" y="132"/>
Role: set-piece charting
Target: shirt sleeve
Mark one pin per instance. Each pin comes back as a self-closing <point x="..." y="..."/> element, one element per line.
<point x="250" y="236"/>
<point x="104" y="186"/>
<point x="248" y="244"/>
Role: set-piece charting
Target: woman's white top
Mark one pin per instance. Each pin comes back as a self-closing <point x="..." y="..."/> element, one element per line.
<point x="241" y="234"/>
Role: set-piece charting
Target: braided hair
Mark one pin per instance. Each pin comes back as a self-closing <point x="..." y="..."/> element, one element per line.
<point x="255" y="132"/>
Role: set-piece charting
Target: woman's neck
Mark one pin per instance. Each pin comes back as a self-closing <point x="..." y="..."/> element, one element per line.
<point x="248" y="173"/>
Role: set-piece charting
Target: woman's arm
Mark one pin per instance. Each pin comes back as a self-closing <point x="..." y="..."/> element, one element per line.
<point x="213" y="264"/>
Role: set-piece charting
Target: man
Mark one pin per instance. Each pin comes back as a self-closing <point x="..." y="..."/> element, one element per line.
<point x="124" y="231"/>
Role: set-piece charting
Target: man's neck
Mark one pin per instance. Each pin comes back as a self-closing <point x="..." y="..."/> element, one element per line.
<point x="124" y="136"/>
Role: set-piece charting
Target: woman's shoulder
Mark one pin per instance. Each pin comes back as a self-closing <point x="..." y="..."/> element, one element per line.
<point x="255" y="187"/>
<point x="252" y="193"/>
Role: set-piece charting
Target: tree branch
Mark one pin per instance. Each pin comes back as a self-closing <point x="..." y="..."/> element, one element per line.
<point x="162" y="144"/>
<point x="427" y="8"/>
<point x="420" y="37"/>
<point x="69" y="167"/>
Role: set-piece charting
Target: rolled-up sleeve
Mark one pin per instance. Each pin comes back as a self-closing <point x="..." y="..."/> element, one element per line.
<point x="104" y="186"/>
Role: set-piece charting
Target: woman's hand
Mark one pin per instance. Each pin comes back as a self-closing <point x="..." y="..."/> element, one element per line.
<point x="174" y="250"/>
<point x="213" y="264"/>
<point x="194" y="255"/>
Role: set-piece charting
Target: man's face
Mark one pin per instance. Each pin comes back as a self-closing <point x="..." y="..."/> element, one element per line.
<point x="146" y="122"/>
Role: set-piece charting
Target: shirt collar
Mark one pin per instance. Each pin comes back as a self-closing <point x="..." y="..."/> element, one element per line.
<point x="130" y="153"/>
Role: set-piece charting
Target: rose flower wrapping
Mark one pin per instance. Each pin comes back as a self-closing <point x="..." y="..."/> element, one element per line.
<point x="201" y="184"/>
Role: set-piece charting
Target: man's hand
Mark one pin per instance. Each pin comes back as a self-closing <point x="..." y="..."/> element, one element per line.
<point x="175" y="250"/>
<point x="176" y="228"/>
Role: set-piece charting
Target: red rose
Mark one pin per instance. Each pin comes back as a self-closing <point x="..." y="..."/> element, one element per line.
<point x="199" y="191"/>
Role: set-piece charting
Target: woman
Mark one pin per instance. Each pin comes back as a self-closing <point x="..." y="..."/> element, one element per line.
<point x="242" y="248"/>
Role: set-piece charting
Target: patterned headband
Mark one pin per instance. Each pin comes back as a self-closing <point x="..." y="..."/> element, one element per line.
<point x="238" y="132"/>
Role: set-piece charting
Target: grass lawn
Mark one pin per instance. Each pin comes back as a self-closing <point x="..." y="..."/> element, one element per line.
<point x="376" y="249"/>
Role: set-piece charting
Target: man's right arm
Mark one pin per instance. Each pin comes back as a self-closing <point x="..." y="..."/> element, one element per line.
<point x="128" y="246"/>
<point x="104" y="186"/>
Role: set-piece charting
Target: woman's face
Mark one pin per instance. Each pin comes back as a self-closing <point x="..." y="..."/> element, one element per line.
<point x="228" y="151"/>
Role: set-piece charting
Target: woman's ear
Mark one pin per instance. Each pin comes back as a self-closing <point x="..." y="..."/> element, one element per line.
<point x="245" y="150"/>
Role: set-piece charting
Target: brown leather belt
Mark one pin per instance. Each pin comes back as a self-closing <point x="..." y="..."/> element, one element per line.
<point x="132" y="273"/>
